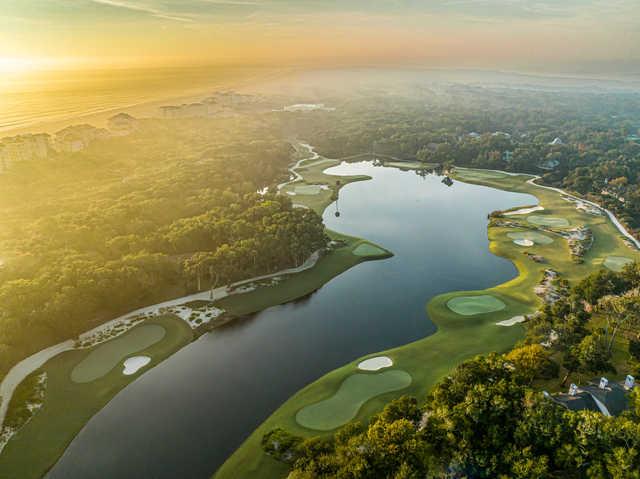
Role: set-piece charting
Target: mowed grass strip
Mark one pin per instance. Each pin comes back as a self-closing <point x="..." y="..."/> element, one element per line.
<point x="479" y="174"/>
<point x="472" y="305"/>
<point x="107" y="356"/>
<point x="535" y="236"/>
<point x="343" y="406"/>
<point x="542" y="220"/>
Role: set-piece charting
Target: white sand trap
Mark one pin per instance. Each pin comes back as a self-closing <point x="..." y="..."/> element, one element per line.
<point x="523" y="242"/>
<point x="512" y="321"/>
<point x="375" y="364"/>
<point x="524" y="211"/>
<point x="132" y="365"/>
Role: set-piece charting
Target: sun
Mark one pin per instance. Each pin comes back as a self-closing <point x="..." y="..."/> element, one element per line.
<point x="19" y="64"/>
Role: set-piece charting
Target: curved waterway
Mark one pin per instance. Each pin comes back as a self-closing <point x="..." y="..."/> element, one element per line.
<point x="184" y="417"/>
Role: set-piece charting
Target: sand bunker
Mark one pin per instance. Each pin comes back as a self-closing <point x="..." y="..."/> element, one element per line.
<point x="512" y="321"/>
<point x="375" y="364"/>
<point x="523" y="242"/>
<point x="354" y="391"/>
<point x="524" y="211"/>
<point x="552" y="221"/>
<point x="108" y="355"/>
<point x="616" y="263"/>
<point x="472" y="305"/>
<point x="368" y="249"/>
<point x="132" y="365"/>
<point x="534" y="236"/>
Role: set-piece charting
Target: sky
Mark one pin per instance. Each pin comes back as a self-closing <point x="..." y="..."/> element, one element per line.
<point x="556" y="35"/>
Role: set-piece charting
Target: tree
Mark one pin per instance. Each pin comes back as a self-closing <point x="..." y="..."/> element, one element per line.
<point x="532" y="362"/>
<point x="619" y="312"/>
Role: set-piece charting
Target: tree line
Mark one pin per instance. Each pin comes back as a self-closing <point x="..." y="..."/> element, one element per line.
<point x="134" y="220"/>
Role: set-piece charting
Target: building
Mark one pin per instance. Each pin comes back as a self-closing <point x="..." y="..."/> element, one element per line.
<point x="78" y="137"/>
<point x="24" y="148"/>
<point x="122" y="124"/>
<point x="602" y="396"/>
<point x="186" y="110"/>
<point x="556" y="141"/>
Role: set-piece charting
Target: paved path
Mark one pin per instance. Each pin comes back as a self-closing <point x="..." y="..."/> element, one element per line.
<point x="28" y="365"/>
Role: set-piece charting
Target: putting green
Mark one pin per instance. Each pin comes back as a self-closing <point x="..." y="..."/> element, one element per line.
<point x="108" y="355"/>
<point x="368" y="249"/>
<point x="534" y="236"/>
<point x="552" y="221"/>
<point x="479" y="174"/>
<point x="471" y="305"/>
<point x="354" y="391"/>
<point x="308" y="189"/>
<point x="616" y="263"/>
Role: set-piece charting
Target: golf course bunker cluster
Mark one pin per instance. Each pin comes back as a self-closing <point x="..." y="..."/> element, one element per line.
<point x="108" y="355"/>
<point x="354" y="391"/>
<point x="472" y="305"/>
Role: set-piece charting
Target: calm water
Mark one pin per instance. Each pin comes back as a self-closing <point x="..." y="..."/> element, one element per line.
<point x="187" y="415"/>
<point x="48" y="101"/>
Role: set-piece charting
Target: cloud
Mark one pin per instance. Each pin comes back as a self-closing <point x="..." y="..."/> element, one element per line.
<point x="144" y="7"/>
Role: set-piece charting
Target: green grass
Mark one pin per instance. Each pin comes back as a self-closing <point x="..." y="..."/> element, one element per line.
<point x="478" y="175"/>
<point x="368" y="249"/>
<point x="458" y="338"/>
<point x="472" y="305"/>
<point x="108" y="355"/>
<point x="313" y="177"/>
<point x="542" y="220"/>
<point x="68" y="405"/>
<point x="308" y="189"/>
<point x="616" y="263"/>
<point x="354" y="391"/>
<point x="306" y="282"/>
<point x="535" y="236"/>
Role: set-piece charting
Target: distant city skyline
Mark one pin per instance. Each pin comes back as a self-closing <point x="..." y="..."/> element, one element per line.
<point x="590" y="36"/>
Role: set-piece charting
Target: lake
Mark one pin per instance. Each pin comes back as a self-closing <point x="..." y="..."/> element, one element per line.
<point x="187" y="415"/>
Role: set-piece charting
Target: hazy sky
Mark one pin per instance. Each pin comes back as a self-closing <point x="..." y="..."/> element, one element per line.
<point x="596" y="35"/>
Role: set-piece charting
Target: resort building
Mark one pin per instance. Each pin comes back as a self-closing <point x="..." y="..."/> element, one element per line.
<point x="122" y="124"/>
<point x="187" y="110"/>
<point x="23" y="148"/>
<point x="78" y="137"/>
<point x="602" y="396"/>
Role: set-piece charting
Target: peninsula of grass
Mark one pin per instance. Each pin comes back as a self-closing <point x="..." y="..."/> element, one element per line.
<point x="343" y="406"/>
<point x="458" y="337"/>
<point x="68" y="404"/>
